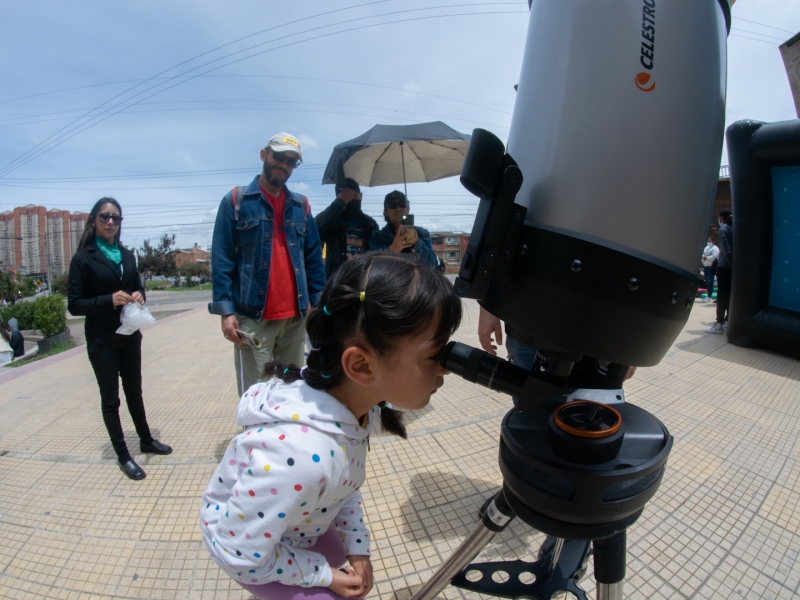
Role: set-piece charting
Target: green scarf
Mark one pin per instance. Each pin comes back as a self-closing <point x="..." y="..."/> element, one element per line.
<point x="112" y="253"/>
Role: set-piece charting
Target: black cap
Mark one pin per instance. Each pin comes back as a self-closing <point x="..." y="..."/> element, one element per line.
<point x="394" y="196"/>
<point x="347" y="184"/>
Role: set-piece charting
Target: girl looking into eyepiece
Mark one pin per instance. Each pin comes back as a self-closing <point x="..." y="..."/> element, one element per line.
<point x="283" y="508"/>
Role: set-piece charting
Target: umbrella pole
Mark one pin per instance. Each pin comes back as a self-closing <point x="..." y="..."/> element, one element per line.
<point x="403" y="161"/>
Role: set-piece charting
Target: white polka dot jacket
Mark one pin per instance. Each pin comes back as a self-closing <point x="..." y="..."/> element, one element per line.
<point x="294" y="471"/>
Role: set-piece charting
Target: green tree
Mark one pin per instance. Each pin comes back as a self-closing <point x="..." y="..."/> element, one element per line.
<point x="14" y="285"/>
<point x="157" y="260"/>
<point x="61" y="283"/>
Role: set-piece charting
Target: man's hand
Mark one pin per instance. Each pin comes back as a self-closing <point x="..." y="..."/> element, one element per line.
<point x="347" y="195"/>
<point x="121" y="298"/>
<point x="363" y="568"/>
<point x="489" y="325"/>
<point x="347" y="585"/>
<point x="400" y="242"/>
<point x="229" y="326"/>
<point x="137" y="297"/>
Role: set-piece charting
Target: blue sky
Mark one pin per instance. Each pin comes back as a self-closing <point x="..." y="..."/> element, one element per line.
<point x="169" y="148"/>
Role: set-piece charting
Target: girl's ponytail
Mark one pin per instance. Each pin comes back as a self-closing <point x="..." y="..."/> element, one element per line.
<point x="392" y="421"/>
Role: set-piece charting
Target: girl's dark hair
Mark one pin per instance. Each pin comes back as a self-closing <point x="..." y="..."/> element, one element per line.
<point x="401" y="298"/>
<point x="87" y="237"/>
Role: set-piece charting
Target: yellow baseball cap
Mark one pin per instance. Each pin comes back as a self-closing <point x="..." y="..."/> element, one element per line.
<point x="285" y="142"/>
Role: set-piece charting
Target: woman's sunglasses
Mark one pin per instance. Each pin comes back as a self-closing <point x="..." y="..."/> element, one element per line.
<point x="400" y="204"/>
<point x="280" y="157"/>
<point x="105" y="218"/>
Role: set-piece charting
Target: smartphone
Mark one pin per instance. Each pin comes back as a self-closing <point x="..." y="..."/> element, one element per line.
<point x="407" y="223"/>
<point x="248" y="339"/>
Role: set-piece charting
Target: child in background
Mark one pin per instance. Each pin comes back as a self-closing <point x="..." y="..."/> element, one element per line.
<point x="283" y="508"/>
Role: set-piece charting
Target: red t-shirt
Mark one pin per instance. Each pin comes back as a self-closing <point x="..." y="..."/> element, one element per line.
<point x="282" y="294"/>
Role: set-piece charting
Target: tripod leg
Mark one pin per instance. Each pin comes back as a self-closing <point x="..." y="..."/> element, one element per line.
<point x="496" y="517"/>
<point x="609" y="566"/>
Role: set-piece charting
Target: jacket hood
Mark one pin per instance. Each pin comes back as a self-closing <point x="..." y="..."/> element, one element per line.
<point x="13" y="324"/>
<point x="274" y="401"/>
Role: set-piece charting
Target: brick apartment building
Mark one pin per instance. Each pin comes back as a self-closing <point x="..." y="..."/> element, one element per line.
<point x="36" y="241"/>
<point x="193" y="255"/>
<point x="449" y="246"/>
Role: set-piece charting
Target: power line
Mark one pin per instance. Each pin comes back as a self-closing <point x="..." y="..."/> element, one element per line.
<point x="757" y="33"/>
<point x="195" y="57"/>
<point x="327" y="80"/>
<point x="744" y="37"/>
<point x="273" y="109"/>
<point x="33" y="153"/>
<point x="764" y="25"/>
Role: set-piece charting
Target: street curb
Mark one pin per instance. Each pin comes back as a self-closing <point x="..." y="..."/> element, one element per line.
<point x="45" y="362"/>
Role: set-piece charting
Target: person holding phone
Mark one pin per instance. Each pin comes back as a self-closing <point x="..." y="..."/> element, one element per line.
<point x="401" y="234"/>
<point x="102" y="279"/>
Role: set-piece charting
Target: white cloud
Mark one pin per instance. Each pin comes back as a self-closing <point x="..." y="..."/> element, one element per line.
<point x="410" y="85"/>
<point x="306" y="141"/>
<point x="299" y="186"/>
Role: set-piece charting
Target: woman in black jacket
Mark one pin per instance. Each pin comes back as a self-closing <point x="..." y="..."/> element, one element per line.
<point x="102" y="279"/>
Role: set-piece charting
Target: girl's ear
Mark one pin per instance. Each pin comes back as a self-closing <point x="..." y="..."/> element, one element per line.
<point x="359" y="365"/>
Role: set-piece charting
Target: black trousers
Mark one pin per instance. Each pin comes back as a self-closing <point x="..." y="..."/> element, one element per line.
<point x="723" y="294"/>
<point x="116" y="357"/>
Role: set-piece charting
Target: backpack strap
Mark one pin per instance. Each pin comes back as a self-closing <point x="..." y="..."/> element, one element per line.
<point x="236" y="205"/>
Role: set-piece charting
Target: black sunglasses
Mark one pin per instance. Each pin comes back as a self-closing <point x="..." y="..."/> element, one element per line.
<point x="105" y="218"/>
<point x="400" y="204"/>
<point x="281" y="157"/>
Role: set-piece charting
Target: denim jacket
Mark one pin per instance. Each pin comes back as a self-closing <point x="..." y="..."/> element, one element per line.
<point x="242" y="253"/>
<point x="423" y="249"/>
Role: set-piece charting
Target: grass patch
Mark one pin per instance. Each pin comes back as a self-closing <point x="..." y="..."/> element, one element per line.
<point x="56" y="349"/>
<point x="194" y="288"/>
<point x="158" y="284"/>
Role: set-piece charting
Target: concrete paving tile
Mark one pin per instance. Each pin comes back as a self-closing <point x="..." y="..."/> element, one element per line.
<point x="772" y="550"/>
<point x="159" y="570"/>
<point x="95" y="567"/>
<point x="781" y="507"/>
<point x="173" y="520"/>
<point x="43" y="556"/>
<point x="14" y="539"/>
<point x="13" y="588"/>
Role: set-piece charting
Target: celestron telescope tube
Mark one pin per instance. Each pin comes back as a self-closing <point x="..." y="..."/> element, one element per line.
<point x="618" y="130"/>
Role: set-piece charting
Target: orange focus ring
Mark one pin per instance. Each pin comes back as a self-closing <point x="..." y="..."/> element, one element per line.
<point x="583" y="433"/>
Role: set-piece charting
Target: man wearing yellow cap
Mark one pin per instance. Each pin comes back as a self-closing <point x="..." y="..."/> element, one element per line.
<point x="266" y="264"/>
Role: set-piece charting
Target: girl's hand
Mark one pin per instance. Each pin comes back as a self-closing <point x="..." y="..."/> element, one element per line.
<point x="137" y="297"/>
<point x="363" y="568"/>
<point x="121" y="298"/>
<point x="347" y="584"/>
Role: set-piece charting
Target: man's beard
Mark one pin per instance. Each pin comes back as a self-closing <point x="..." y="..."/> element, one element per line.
<point x="276" y="180"/>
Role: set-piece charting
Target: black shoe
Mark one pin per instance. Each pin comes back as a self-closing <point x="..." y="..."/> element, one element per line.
<point x="155" y="447"/>
<point x="131" y="469"/>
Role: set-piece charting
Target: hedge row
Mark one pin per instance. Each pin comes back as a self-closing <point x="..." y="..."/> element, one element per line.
<point x="48" y="314"/>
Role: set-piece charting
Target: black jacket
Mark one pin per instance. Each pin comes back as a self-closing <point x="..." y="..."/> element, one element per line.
<point x="332" y="228"/>
<point x="93" y="280"/>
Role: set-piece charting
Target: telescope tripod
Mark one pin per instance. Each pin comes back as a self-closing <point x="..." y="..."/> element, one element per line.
<point x="561" y="564"/>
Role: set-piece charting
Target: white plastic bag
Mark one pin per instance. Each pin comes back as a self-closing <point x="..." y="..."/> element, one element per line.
<point x="134" y="317"/>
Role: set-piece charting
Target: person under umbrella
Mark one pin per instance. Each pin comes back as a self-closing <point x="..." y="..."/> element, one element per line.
<point x="397" y="238"/>
<point x="343" y="227"/>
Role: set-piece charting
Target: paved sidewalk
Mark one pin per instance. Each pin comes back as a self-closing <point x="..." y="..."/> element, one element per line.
<point x="725" y="523"/>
